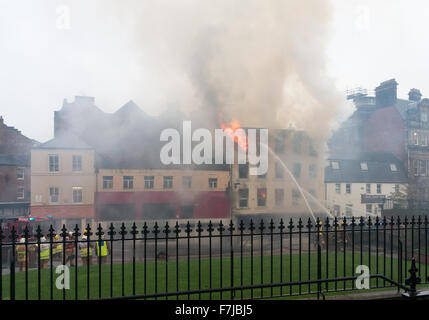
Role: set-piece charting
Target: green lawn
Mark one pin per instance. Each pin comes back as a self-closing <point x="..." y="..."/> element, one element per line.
<point x="194" y="274"/>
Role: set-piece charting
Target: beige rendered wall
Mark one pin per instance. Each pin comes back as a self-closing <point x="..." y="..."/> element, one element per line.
<point x="65" y="179"/>
<point x="200" y="179"/>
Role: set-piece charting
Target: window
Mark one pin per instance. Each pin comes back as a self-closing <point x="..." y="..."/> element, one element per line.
<point x="349" y="210"/>
<point x="348" y="188"/>
<point x="295" y="196"/>
<point x="243" y="197"/>
<point x="378" y="188"/>
<point x="393" y="167"/>
<point x="243" y="171"/>
<point x="77" y="194"/>
<point x="297" y="170"/>
<point x="338" y="188"/>
<point x="312" y="171"/>
<point x="368" y="188"/>
<point x="107" y="182"/>
<point x="297" y="142"/>
<point x="396" y="188"/>
<point x="20" y="193"/>
<point x="20" y="173"/>
<point x="212" y="183"/>
<point x="424" y="115"/>
<point x="53" y="163"/>
<point x="279" y="171"/>
<point x="364" y="166"/>
<point x="415" y="138"/>
<point x="423" y="139"/>
<point x="337" y="210"/>
<point x="416" y="167"/>
<point x="369" y="208"/>
<point x="128" y="182"/>
<point x="187" y="182"/>
<point x="168" y="182"/>
<point x="311" y="151"/>
<point x="77" y="163"/>
<point x="422" y="164"/>
<point x="279" y="197"/>
<point x="262" y="197"/>
<point x="54" y="193"/>
<point x="279" y="145"/>
<point x="335" y="165"/>
<point x="149" y="182"/>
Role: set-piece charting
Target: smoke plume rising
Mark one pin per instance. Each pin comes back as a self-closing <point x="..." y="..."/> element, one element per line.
<point x="259" y="62"/>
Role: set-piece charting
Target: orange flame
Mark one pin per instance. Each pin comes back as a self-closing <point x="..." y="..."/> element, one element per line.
<point x="241" y="139"/>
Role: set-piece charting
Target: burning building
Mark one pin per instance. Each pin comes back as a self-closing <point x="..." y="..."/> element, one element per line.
<point x="292" y="185"/>
<point x="162" y="194"/>
<point x="106" y="167"/>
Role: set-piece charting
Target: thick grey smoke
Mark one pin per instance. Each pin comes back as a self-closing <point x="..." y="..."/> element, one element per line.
<point x="259" y="62"/>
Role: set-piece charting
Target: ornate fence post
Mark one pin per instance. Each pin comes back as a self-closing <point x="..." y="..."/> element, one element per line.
<point x="413" y="280"/>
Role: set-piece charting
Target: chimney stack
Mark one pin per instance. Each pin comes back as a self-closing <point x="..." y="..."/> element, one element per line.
<point x="84" y="100"/>
<point x="386" y="94"/>
<point x="415" y="95"/>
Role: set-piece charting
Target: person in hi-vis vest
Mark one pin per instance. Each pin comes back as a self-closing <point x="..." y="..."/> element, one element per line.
<point x="102" y="250"/>
<point x="21" y="254"/>
<point x="44" y="253"/>
<point x="85" y="251"/>
<point x="57" y="248"/>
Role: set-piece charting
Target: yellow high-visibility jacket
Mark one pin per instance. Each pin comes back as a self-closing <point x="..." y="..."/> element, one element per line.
<point x="21" y="253"/>
<point x="84" y="250"/>
<point x="103" y="246"/>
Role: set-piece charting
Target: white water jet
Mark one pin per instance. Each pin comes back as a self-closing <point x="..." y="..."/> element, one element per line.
<point x="294" y="180"/>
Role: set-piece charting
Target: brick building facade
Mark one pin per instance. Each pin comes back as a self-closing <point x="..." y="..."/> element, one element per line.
<point x="15" y="173"/>
<point x="390" y="124"/>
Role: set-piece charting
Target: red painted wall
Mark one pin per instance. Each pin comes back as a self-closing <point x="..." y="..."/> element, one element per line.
<point x="385" y="132"/>
<point x="209" y="204"/>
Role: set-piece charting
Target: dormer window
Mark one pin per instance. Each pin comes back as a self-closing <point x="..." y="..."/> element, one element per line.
<point x="335" y="165"/>
<point x="393" y="167"/>
<point x="364" y="166"/>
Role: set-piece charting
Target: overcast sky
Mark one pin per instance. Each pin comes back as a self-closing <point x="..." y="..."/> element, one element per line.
<point x="48" y="55"/>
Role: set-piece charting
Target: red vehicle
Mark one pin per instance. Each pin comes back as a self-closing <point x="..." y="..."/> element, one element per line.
<point x="20" y="223"/>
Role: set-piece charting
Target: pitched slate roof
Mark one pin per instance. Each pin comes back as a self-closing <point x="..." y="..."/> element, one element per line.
<point x="378" y="169"/>
<point x="404" y="105"/>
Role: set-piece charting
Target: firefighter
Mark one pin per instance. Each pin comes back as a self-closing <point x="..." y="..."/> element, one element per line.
<point x="44" y="253"/>
<point x="85" y="251"/>
<point x="101" y="249"/>
<point x="32" y="254"/>
<point x="21" y="254"/>
<point x="70" y="250"/>
<point x="322" y="240"/>
<point x="57" y="249"/>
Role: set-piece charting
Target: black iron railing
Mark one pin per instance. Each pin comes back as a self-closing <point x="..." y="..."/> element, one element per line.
<point x="209" y="260"/>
